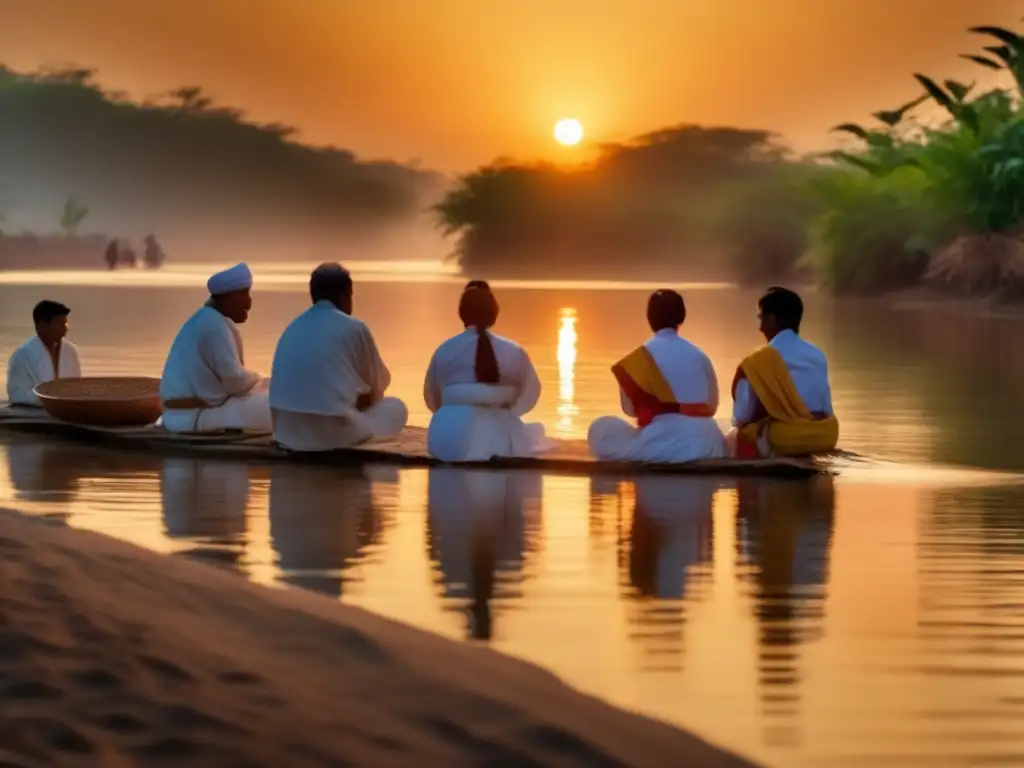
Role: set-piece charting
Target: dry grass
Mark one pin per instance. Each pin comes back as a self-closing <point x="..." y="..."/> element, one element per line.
<point x="989" y="265"/>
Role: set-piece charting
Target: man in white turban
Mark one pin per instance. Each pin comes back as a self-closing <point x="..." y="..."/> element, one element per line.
<point x="328" y="376"/>
<point x="205" y="385"/>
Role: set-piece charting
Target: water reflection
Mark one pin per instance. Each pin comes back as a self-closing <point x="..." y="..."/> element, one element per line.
<point x="321" y="522"/>
<point x="205" y="503"/>
<point x="51" y="476"/>
<point x="666" y="556"/>
<point x="43" y="471"/>
<point x="477" y="537"/>
<point x="784" y="540"/>
<point x="567" y="408"/>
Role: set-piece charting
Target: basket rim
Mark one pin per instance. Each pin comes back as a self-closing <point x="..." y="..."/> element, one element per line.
<point x="39" y="390"/>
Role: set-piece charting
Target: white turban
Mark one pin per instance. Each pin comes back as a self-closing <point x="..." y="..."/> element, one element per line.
<point x="237" y="278"/>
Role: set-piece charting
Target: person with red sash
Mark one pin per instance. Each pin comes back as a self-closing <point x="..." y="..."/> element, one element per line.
<point x="782" y="400"/>
<point x="669" y="387"/>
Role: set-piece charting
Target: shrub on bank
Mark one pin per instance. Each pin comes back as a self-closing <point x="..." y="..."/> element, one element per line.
<point x="954" y="193"/>
<point x="866" y="238"/>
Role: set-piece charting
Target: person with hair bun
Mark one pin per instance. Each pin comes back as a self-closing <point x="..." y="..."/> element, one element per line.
<point x="669" y="386"/>
<point x="479" y="386"/>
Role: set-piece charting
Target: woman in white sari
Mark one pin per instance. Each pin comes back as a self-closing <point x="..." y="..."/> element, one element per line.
<point x="478" y="387"/>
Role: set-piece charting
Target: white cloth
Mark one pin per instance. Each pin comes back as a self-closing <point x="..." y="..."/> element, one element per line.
<point x="236" y="278"/>
<point x="206" y="362"/>
<point x="323" y="362"/>
<point x="670" y="437"/>
<point x="808" y="368"/>
<point x="32" y="365"/>
<point x="473" y="421"/>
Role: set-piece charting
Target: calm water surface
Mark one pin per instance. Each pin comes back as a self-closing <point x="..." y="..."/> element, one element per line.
<point x="874" y="619"/>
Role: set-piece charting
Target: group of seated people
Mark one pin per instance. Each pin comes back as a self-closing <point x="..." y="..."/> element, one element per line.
<point x="328" y="381"/>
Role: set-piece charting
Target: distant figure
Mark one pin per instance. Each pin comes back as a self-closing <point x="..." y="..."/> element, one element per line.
<point x="127" y="254"/>
<point x="669" y="385"/>
<point x="154" y="256"/>
<point x="46" y="356"/>
<point x="205" y="385"/>
<point x="782" y="396"/>
<point x="328" y="379"/>
<point x="479" y="386"/>
<point x="111" y="255"/>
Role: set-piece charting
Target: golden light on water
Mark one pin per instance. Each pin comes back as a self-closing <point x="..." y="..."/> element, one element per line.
<point x="567" y="337"/>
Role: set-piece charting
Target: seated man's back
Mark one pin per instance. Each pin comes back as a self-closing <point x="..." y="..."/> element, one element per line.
<point x="328" y="378"/>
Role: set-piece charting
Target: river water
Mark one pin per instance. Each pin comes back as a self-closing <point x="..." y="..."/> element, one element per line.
<point x="876" y="619"/>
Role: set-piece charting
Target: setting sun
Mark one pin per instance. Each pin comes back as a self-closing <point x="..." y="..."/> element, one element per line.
<point x="568" y="132"/>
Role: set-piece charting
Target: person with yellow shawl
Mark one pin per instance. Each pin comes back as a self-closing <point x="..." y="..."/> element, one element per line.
<point x="782" y="400"/>
<point x="669" y="386"/>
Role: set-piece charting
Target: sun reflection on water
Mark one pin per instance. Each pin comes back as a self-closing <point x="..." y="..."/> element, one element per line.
<point x="567" y="408"/>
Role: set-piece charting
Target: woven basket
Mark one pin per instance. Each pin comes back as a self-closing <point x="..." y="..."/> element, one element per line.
<point x="103" y="401"/>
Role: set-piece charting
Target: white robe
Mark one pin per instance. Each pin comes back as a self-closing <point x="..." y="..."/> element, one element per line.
<point x="324" y="361"/>
<point x="206" y="362"/>
<point x="473" y="421"/>
<point x="32" y="365"/>
<point x="808" y="368"/>
<point x="670" y="437"/>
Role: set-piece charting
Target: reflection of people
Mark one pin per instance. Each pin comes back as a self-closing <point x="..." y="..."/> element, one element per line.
<point x="46" y="356"/>
<point x="320" y="523"/>
<point x="205" y="385"/>
<point x="205" y="501"/>
<point x="671" y="533"/>
<point x="328" y="379"/>
<point x="668" y="384"/>
<point x="784" y="533"/>
<point x="781" y="393"/>
<point x="477" y="527"/>
<point x="41" y="471"/>
<point x="479" y="386"/>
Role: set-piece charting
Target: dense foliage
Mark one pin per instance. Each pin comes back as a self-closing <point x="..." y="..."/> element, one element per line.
<point x="661" y="199"/>
<point x="179" y="162"/>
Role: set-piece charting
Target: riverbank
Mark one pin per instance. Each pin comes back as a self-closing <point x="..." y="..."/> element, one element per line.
<point x="112" y="654"/>
<point x="918" y="299"/>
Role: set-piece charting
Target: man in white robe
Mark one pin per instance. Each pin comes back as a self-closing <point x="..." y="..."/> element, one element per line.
<point x="205" y="385"/>
<point x="46" y="356"/>
<point x="328" y="379"/>
<point x="479" y="386"/>
<point x="669" y="386"/>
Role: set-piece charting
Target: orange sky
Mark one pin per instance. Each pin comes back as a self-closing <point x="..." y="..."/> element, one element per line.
<point x="459" y="82"/>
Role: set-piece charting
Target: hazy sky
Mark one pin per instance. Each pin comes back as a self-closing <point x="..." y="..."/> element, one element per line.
<point x="458" y="82"/>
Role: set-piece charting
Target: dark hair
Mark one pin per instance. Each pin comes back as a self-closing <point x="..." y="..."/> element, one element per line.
<point x="329" y="281"/>
<point x="478" y="284"/>
<point x="479" y="308"/>
<point x="47" y="310"/>
<point x="784" y="305"/>
<point x="665" y="309"/>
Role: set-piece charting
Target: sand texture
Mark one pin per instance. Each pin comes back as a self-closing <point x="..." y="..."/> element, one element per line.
<point x="114" y="656"/>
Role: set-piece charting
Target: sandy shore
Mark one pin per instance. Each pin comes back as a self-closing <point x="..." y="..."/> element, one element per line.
<point x="114" y="656"/>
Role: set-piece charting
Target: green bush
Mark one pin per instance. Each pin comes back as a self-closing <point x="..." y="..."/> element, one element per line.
<point x="867" y="238"/>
